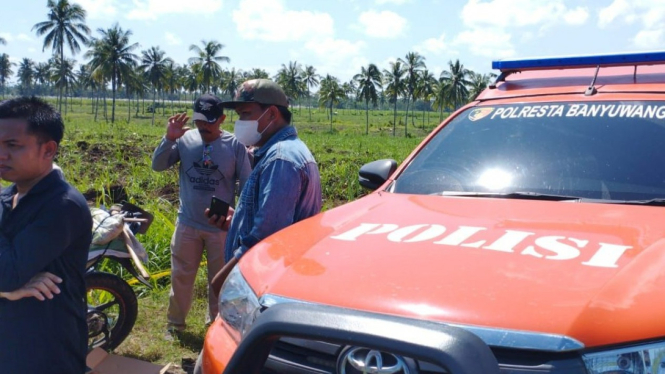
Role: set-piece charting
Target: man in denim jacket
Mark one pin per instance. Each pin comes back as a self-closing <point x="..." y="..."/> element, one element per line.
<point x="284" y="186"/>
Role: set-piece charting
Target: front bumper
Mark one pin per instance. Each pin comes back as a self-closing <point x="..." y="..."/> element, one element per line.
<point x="218" y="348"/>
<point x="452" y="348"/>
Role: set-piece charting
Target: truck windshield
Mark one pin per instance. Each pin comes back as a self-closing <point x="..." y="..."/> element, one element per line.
<point x="603" y="150"/>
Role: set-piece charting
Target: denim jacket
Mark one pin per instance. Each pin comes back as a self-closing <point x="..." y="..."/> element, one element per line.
<point x="283" y="188"/>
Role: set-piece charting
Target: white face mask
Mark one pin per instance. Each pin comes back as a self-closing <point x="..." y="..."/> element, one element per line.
<point x="247" y="131"/>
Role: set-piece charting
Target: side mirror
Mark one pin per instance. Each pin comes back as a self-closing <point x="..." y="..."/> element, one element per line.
<point x="372" y="175"/>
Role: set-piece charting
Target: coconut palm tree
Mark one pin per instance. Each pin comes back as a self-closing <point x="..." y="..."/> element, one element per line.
<point x="425" y="90"/>
<point x="43" y="72"/>
<point x="112" y="56"/>
<point x="65" y="25"/>
<point x="5" y="71"/>
<point x="255" y="73"/>
<point x="369" y="83"/>
<point x="330" y="93"/>
<point x="63" y="76"/>
<point x="414" y="63"/>
<point x="231" y="80"/>
<point x="440" y="97"/>
<point x="171" y="81"/>
<point x="209" y="60"/>
<point x="154" y="65"/>
<point x="290" y="78"/>
<point x="479" y="83"/>
<point x="456" y="80"/>
<point x="191" y="81"/>
<point x="395" y="86"/>
<point x="26" y="74"/>
<point x="310" y="79"/>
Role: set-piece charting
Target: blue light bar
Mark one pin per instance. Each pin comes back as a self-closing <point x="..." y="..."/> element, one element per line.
<point x="576" y="62"/>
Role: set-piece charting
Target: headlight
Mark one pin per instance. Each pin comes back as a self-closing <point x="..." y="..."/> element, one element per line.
<point x="648" y="358"/>
<point x="238" y="305"/>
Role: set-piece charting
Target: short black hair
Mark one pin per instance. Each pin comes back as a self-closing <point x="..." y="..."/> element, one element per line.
<point x="43" y="120"/>
<point x="284" y="111"/>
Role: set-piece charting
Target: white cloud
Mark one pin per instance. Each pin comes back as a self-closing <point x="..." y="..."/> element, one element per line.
<point x="519" y="13"/>
<point x="608" y="14"/>
<point x="395" y="2"/>
<point x="153" y="9"/>
<point x="269" y="20"/>
<point x="647" y="39"/>
<point x="9" y="37"/>
<point x="384" y="24"/>
<point x="339" y="57"/>
<point x="649" y="13"/>
<point x="486" y="42"/>
<point x="98" y="9"/>
<point x="435" y="46"/>
<point x="172" y="39"/>
<point x="577" y="16"/>
<point x="24" y="38"/>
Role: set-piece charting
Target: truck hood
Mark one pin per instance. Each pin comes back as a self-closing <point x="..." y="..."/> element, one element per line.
<point x="590" y="271"/>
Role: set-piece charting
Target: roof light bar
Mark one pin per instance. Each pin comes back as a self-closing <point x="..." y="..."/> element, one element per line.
<point x="576" y="62"/>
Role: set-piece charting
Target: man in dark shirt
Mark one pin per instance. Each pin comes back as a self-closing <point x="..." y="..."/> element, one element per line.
<point x="45" y="232"/>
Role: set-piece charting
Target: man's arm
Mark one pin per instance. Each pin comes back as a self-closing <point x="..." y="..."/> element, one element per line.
<point x="166" y="155"/>
<point x="219" y="278"/>
<point x="39" y="243"/>
<point x="42" y="286"/>
<point x="280" y="191"/>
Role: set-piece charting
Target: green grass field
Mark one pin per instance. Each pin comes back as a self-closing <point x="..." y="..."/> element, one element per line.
<point x="111" y="162"/>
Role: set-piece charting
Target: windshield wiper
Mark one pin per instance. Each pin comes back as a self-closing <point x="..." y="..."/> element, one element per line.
<point x="651" y="202"/>
<point x="511" y="195"/>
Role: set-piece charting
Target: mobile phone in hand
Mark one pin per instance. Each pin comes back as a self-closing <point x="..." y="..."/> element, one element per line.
<point x="218" y="207"/>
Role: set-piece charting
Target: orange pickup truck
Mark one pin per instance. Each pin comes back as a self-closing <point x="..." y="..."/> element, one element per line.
<point x="526" y="234"/>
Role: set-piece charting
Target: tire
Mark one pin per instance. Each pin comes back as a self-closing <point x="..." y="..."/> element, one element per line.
<point x="112" y="310"/>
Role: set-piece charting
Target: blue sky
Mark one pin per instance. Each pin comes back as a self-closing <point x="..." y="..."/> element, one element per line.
<point x="337" y="37"/>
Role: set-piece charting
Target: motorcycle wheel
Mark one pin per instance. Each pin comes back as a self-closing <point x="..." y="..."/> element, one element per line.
<point x="112" y="310"/>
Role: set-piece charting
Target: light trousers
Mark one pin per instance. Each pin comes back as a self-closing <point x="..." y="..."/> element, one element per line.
<point x="187" y="245"/>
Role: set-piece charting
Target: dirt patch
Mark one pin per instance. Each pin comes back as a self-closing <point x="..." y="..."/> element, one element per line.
<point x="115" y="194"/>
<point x="169" y="193"/>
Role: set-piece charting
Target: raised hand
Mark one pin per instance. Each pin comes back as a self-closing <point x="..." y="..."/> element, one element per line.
<point x="176" y="126"/>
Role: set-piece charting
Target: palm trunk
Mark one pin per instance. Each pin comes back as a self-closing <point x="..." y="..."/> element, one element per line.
<point x="65" y="101"/>
<point x="309" y="106"/>
<point x="154" y="109"/>
<point x="423" y="119"/>
<point x="406" y="118"/>
<point x="106" y="115"/>
<point x="97" y="106"/>
<point x="113" y="79"/>
<point x="331" y="114"/>
<point x="366" y="117"/>
<point x="129" y="106"/>
<point x="395" y="116"/>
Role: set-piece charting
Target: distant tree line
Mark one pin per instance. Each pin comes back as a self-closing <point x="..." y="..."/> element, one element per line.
<point x="113" y="63"/>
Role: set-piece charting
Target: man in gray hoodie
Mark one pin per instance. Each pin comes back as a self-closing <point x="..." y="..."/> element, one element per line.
<point x="211" y="162"/>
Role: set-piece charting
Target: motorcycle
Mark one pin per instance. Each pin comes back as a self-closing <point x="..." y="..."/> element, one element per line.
<point x="112" y="303"/>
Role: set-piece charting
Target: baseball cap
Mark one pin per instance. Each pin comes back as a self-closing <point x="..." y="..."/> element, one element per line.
<point x="207" y="108"/>
<point x="261" y="91"/>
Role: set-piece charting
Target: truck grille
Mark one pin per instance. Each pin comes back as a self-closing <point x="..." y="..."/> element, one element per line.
<point x="297" y="356"/>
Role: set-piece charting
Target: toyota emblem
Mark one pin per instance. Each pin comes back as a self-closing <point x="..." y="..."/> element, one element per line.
<point x="369" y="361"/>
